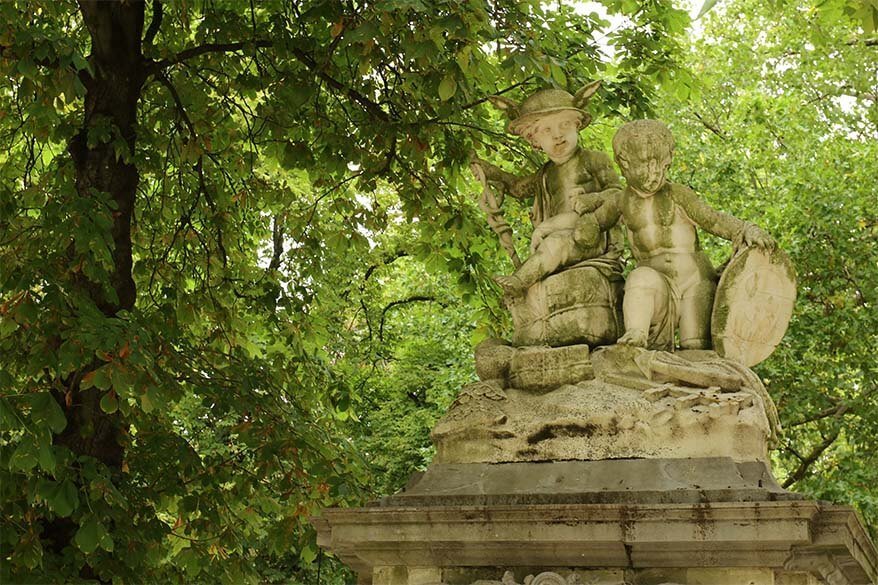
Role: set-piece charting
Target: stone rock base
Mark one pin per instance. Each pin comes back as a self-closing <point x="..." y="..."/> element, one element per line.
<point x="568" y="403"/>
<point x="597" y="420"/>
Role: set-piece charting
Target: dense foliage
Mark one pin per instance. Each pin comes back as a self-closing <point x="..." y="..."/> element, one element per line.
<point x="241" y="268"/>
<point x="785" y="133"/>
<point x="198" y="203"/>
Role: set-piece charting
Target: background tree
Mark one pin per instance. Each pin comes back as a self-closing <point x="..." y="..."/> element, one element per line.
<point x="781" y="129"/>
<point x="191" y="217"/>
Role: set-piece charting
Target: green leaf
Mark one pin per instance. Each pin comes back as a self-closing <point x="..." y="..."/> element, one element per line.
<point x="307" y="554"/>
<point x="7" y="326"/>
<point x="558" y="76"/>
<point x="45" y="410"/>
<point x="107" y="542"/>
<point x="148" y="400"/>
<point x="447" y="88"/>
<point x="705" y="8"/>
<point x="26" y="455"/>
<point x="109" y="402"/>
<point x="28" y="552"/>
<point x="90" y="534"/>
<point x="81" y="63"/>
<point x="9" y="416"/>
<point x="64" y="499"/>
<point x="47" y="457"/>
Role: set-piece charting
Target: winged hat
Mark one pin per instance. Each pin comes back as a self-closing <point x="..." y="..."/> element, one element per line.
<point x="546" y="101"/>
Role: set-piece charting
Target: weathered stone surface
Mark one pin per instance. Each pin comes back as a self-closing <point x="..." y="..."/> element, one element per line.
<point x="540" y="369"/>
<point x="663" y="540"/>
<point x="628" y="366"/>
<point x="753" y="305"/>
<point x="578" y="305"/>
<point x="493" y="357"/>
<point x="634" y="481"/>
<point x="597" y="419"/>
<point x="565" y="576"/>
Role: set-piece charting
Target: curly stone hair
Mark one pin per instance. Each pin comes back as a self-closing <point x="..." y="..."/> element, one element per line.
<point x="652" y="135"/>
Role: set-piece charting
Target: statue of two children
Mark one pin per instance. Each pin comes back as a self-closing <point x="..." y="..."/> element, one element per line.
<point x="578" y="201"/>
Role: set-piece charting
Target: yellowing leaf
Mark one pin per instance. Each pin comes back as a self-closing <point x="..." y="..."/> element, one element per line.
<point x="447" y="88"/>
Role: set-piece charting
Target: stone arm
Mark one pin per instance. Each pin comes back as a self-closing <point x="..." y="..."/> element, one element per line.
<point x="607" y="192"/>
<point x="605" y="174"/>
<point x="718" y="223"/>
<point x="519" y="187"/>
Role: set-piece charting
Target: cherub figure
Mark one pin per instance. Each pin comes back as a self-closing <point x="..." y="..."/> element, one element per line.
<point x="674" y="282"/>
<point x="565" y="191"/>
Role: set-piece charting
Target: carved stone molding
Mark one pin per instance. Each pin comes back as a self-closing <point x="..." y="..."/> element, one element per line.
<point x="822" y="566"/>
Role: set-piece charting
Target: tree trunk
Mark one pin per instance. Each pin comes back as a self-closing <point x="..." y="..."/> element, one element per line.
<point x="112" y="95"/>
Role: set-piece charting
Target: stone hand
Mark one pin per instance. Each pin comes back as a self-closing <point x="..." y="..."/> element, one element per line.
<point x="585" y="202"/>
<point x="755" y="236"/>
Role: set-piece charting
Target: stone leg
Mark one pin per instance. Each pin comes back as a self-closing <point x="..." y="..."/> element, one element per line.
<point x="555" y="250"/>
<point x="646" y="298"/>
<point x="695" y="309"/>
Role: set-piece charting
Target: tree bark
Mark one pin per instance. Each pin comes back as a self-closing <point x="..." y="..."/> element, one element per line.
<point x="112" y="95"/>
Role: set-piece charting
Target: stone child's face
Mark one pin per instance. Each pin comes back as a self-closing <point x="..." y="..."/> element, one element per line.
<point x="557" y="134"/>
<point x="644" y="172"/>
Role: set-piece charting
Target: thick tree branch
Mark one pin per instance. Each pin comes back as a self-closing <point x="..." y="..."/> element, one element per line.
<point x="277" y="243"/>
<point x="205" y="49"/>
<point x="411" y="299"/>
<point x="371" y="107"/>
<point x="163" y="79"/>
<point x="833" y="411"/>
<point x="158" y="11"/>
<point x="388" y="259"/>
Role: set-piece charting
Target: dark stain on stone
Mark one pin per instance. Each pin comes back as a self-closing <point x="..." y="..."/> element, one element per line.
<point x="561" y="430"/>
<point x="627" y="522"/>
<point x="614" y="426"/>
<point x="703" y="520"/>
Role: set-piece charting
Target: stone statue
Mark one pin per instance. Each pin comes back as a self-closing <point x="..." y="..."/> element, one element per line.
<point x="674" y="282"/>
<point x="640" y="395"/>
<point x="580" y="460"/>
<point x="548" y="308"/>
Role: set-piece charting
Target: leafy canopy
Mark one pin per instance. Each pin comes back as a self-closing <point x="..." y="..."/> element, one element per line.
<point x="197" y="202"/>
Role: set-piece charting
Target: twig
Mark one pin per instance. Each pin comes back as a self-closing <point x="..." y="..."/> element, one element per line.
<point x="802" y="470"/>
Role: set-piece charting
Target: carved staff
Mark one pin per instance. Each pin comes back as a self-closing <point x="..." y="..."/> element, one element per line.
<point x="490" y="203"/>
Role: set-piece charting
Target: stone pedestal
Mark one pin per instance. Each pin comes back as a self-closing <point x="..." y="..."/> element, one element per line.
<point x="622" y="466"/>
<point x="645" y="522"/>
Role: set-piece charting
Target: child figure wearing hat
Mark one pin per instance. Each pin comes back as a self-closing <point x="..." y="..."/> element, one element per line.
<point x="565" y="191"/>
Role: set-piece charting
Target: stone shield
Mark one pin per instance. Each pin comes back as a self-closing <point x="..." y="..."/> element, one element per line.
<point x="753" y="305"/>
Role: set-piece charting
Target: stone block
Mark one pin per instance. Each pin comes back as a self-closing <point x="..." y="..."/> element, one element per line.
<point x="540" y="369"/>
<point x="682" y="543"/>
